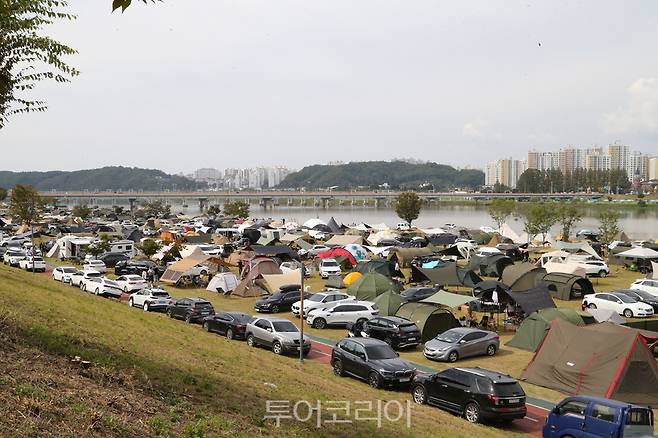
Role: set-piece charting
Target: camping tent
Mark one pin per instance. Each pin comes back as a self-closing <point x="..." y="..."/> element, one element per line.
<point x="388" y="303"/>
<point x="273" y="282"/>
<point x="404" y="256"/>
<point x="522" y="276"/>
<point x="533" y="329"/>
<point x="383" y="267"/>
<point x="333" y="225"/>
<point x="604" y="360"/>
<point x="446" y="275"/>
<point x="338" y="252"/>
<point x="335" y="282"/>
<point x="606" y="315"/>
<point x="176" y="270"/>
<point x="532" y="300"/>
<point x="577" y="247"/>
<point x="342" y="240"/>
<point x="567" y="286"/>
<point x="223" y="282"/>
<point x="352" y="277"/>
<point x="639" y="253"/>
<point x="430" y="319"/>
<point x="253" y="284"/>
<point x="494" y="265"/>
<point x="448" y="299"/>
<point x="358" y="251"/>
<point x="370" y="286"/>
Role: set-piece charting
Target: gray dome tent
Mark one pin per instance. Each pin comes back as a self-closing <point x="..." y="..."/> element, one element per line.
<point x="432" y="320"/>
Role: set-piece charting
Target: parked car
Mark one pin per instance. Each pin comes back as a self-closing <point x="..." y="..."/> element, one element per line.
<point x="110" y="259"/>
<point x="317" y="249"/>
<point x="279" y="301"/>
<point x="96" y="265"/>
<point x="475" y="393"/>
<point x="14" y="241"/>
<point x="13" y="257"/>
<point x="646" y="285"/>
<point x="190" y="309"/>
<point x="294" y="266"/>
<point x="231" y="324"/>
<point x="136" y="267"/>
<point x="131" y="283"/>
<point x="371" y="360"/>
<point x="583" y="416"/>
<point x="279" y="334"/>
<point x="320" y="299"/>
<point x="102" y="286"/>
<point x="416" y="294"/>
<point x="641" y="296"/>
<point x="595" y="267"/>
<point x="487" y="251"/>
<point x="395" y="331"/>
<point x="403" y="226"/>
<point x="622" y="304"/>
<point x="342" y="313"/>
<point x="329" y="267"/>
<point x="63" y="273"/>
<point x="458" y="343"/>
<point x="78" y="277"/>
<point x="150" y="299"/>
<point x="32" y="263"/>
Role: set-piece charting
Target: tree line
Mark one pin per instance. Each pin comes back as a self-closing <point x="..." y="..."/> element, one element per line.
<point x="580" y="180"/>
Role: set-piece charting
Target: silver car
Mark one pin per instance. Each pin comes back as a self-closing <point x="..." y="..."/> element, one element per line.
<point x="461" y="342"/>
<point x="279" y="334"/>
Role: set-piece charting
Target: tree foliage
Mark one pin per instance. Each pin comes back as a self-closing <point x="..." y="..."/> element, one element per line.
<point x="156" y="209"/>
<point x="25" y="204"/>
<point x="82" y="211"/>
<point x="214" y="210"/>
<point x="237" y="209"/>
<point x="3" y="194"/>
<point x="568" y="215"/>
<point x="408" y="206"/>
<point x="580" y="180"/>
<point x="609" y="225"/>
<point x="27" y="56"/>
<point x="124" y="4"/>
<point x="538" y="218"/>
<point x="500" y="210"/>
<point x="149" y="247"/>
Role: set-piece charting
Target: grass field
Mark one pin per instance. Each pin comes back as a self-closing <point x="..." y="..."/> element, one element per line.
<point x="156" y="377"/>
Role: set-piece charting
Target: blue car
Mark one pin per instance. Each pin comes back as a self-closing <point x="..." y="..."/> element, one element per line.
<point x="591" y="417"/>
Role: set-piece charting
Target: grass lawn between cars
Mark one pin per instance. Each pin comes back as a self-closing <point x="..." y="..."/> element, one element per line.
<point x="192" y="383"/>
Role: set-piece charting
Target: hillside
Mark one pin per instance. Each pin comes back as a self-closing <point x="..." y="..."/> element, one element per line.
<point x="106" y="178"/>
<point x="398" y="175"/>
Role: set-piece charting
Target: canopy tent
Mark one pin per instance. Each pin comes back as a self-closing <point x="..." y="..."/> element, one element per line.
<point x="176" y="270"/>
<point x="621" y="237"/>
<point x="448" y="299"/>
<point x="342" y="240"/>
<point x="443" y="239"/>
<point x="404" y="256"/>
<point x="522" y="276"/>
<point x="374" y="238"/>
<point x="383" y="267"/>
<point x="338" y="252"/>
<point x="388" y="303"/>
<point x="452" y="250"/>
<point x="333" y="225"/>
<point x="603" y="360"/>
<point x="224" y="282"/>
<point x="312" y="223"/>
<point x="289" y="238"/>
<point x="565" y="268"/>
<point x="532" y="300"/>
<point x="576" y="247"/>
<point x="378" y="250"/>
<point x="446" y="275"/>
<point x="606" y="315"/>
<point x="302" y="244"/>
<point x="335" y="282"/>
<point x="567" y="286"/>
<point x="284" y="253"/>
<point x="640" y="253"/>
<point x="494" y="265"/>
<point x="358" y="251"/>
<point x="273" y="282"/>
<point x="432" y="320"/>
<point x="267" y="240"/>
<point x="495" y="240"/>
<point x="239" y="256"/>
<point x="352" y="277"/>
<point x="371" y="285"/>
<point x="507" y="231"/>
<point x="534" y="328"/>
<point x="253" y="284"/>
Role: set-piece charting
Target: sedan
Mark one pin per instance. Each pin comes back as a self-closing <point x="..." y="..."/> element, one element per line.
<point x="131" y="283"/>
<point x="646" y="285"/>
<point x="461" y="342"/>
<point x="621" y="304"/>
<point x="96" y="265"/>
<point x="278" y="302"/>
<point x="102" y="286"/>
<point x="233" y="325"/>
<point x="641" y="296"/>
<point x="63" y="273"/>
<point x="150" y="299"/>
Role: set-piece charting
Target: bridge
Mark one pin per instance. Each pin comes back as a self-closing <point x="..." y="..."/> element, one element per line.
<point x="269" y="199"/>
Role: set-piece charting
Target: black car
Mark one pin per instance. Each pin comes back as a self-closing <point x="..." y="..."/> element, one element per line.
<point x="230" y="324"/>
<point x="279" y="302"/>
<point x="641" y="296"/>
<point x="190" y="309"/>
<point x="475" y="393"/>
<point x="395" y="331"/>
<point x="112" y="258"/>
<point x="136" y="267"/>
<point x="416" y="294"/>
<point x="371" y="360"/>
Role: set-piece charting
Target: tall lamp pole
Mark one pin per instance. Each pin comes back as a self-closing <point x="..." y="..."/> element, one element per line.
<point x="301" y="316"/>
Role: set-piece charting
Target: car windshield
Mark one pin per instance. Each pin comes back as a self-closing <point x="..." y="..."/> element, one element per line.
<point x="626" y="298"/>
<point x="69" y="270"/>
<point x="111" y="283"/>
<point x="316" y="298"/>
<point x="159" y="293"/>
<point x="284" y="326"/>
<point x="241" y="318"/>
<point x="377" y="352"/>
<point x="276" y="296"/>
<point x="449" y="337"/>
<point x="408" y="327"/>
<point x="329" y="263"/>
<point x="645" y="295"/>
<point x="508" y="389"/>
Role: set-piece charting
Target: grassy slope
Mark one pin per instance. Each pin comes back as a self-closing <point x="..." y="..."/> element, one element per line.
<point x="196" y="382"/>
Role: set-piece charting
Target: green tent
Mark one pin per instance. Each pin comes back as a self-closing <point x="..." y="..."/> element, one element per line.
<point x="533" y="329"/>
<point x="430" y="319"/>
<point x="448" y="299"/>
<point x="371" y="285"/>
<point x="565" y="286"/>
<point x="388" y="303"/>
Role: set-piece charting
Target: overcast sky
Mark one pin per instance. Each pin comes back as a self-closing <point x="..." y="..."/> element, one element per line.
<point x="239" y="83"/>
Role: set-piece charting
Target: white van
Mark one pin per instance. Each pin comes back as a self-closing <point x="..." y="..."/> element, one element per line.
<point x="403" y="226"/>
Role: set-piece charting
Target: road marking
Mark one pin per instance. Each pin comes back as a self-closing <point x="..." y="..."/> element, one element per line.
<point x="531" y="419"/>
<point x="321" y="352"/>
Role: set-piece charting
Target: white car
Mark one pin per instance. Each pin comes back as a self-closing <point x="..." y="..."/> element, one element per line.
<point x="317" y="249"/>
<point x="13" y="258"/>
<point x="131" y="283"/>
<point x="63" y="273"/>
<point x="320" y="299"/>
<point x="342" y="313"/>
<point x="33" y="263"/>
<point x="102" y="286"/>
<point x="150" y="299"/>
<point x="96" y="265"/>
<point x="80" y="276"/>
<point x="595" y="267"/>
<point x="329" y="267"/>
<point x="621" y="304"/>
<point x="646" y="285"/>
<point x="486" y="251"/>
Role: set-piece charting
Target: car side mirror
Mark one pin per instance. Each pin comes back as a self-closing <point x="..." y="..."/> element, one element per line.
<point x="556" y="410"/>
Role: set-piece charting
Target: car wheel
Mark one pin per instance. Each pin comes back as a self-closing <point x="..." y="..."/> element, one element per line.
<point x="361" y="321"/>
<point x="146" y="307"/>
<point x="205" y="326"/>
<point x="591" y="306"/>
<point x="229" y="334"/>
<point x="251" y="341"/>
<point x="83" y="287"/>
<point x="603" y="274"/>
<point x="277" y="348"/>
<point x="131" y="303"/>
<point x="374" y="380"/>
<point x="419" y="394"/>
<point x="275" y="309"/>
<point x="472" y="413"/>
<point x="491" y="350"/>
<point x="453" y="356"/>
<point x="97" y="291"/>
<point x="188" y="318"/>
<point x="319" y="323"/>
<point x="628" y="313"/>
<point x="170" y="314"/>
<point x="338" y="368"/>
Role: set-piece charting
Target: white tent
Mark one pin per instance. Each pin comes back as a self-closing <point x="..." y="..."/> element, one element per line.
<point x="606" y="315"/>
<point x="654" y="267"/>
<point x="567" y="268"/>
<point x="639" y="253"/>
<point x="312" y="223"/>
<point x="507" y="231"/>
<point x="223" y="282"/>
<point x="376" y="237"/>
<point x="275" y="281"/>
<point x="377" y="250"/>
<point x="578" y="247"/>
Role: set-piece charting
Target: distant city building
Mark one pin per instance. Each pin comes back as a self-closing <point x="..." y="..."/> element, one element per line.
<point x="505" y="172"/>
<point x="254" y="178"/>
<point x="653" y="168"/>
<point x="207" y="174"/>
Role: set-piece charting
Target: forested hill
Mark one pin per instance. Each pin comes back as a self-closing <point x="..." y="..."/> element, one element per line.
<point x="106" y="178"/>
<point x="398" y="175"/>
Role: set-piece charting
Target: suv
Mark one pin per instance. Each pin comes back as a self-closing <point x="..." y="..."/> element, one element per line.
<point x="461" y="342"/>
<point x="329" y="267"/>
<point x="592" y="416"/>
<point x="395" y="331"/>
<point x="190" y="309"/>
<point x="77" y="278"/>
<point x="320" y="299"/>
<point x="371" y="360"/>
<point x="13" y="257"/>
<point x="136" y="267"/>
<point x="279" y="301"/>
<point x="475" y="393"/>
<point x="112" y="258"/>
<point x="342" y="313"/>
<point x="102" y="286"/>
<point x="96" y="265"/>
<point x="416" y="294"/>
<point x="595" y="267"/>
<point x="281" y="335"/>
<point x="32" y="263"/>
<point x="150" y="299"/>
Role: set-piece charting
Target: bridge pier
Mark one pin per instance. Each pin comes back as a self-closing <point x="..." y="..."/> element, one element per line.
<point x="379" y="200"/>
<point x="266" y="202"/>
<point x="132" y="203"/>
<point x="290" y="202"/>
<point x="325" y="201"/>
<point x="203" y="204"/>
